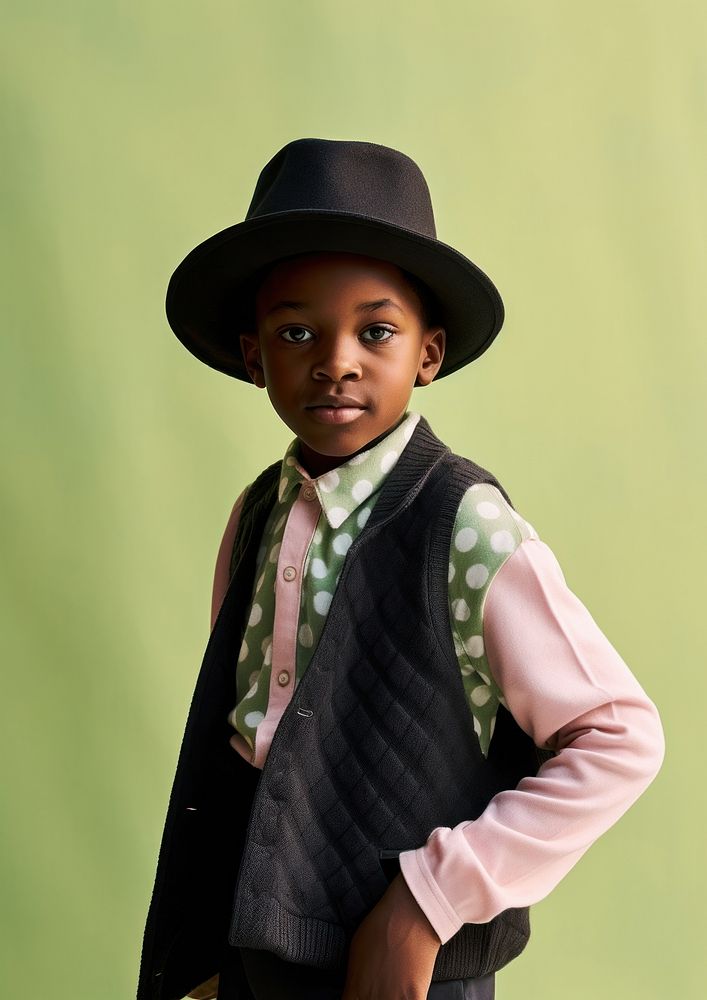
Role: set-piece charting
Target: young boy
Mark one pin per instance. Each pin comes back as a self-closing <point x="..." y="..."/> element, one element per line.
<point x="406" y="728"/>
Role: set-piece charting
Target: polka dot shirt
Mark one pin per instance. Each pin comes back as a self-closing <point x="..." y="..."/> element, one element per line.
<point x="486" y="531"/>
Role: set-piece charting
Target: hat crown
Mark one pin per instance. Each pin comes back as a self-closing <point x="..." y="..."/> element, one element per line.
<point x="329" y="196"/>
<point x="349" y="177"/>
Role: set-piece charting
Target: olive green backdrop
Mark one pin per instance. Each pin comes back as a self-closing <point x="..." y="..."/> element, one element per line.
<point x="565" y="149"/>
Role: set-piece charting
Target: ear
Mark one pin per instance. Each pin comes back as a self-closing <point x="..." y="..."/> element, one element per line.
<point x="250" y="349"/>
<point x="431" y="355"/>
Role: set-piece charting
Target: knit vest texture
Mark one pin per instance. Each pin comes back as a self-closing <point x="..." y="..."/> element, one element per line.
<point x="376" y="749"/>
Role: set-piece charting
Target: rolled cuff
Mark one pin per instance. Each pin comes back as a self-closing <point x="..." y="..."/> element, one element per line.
<point x="432" y="902"/>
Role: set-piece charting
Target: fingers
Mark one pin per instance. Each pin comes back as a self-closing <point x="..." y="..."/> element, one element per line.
<point x="207" y="990"/>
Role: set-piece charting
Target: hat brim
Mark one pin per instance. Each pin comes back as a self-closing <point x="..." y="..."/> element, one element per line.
<point x="205" y="312"/>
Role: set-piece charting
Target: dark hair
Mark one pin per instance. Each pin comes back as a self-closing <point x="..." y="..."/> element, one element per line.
<point x="432" y="310"/>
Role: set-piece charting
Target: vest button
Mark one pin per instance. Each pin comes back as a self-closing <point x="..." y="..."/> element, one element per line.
<point x="289" y="572"/>
<point x="283" y="678"/>
<point x="309" y="493"/>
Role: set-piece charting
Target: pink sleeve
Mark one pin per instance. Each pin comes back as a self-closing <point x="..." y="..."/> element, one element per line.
<point x="223" y="559"/>
<point x="568" y="688"/>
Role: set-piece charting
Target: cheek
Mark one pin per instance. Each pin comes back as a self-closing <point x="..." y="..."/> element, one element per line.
<point x="409" y="363"/>
<point x="269" y="360"/>
<point x="281" y="372"/>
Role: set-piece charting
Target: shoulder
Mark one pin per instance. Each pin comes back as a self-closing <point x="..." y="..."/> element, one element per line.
<point x="222" y="572"/>
<point x="487" y="522"/>
<point x="265" y="480"/>
<point x="487" y="531"/>
<point x="240" y="513"/>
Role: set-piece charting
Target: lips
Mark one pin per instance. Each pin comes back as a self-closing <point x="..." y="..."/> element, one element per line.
<point x="337" y="402"/>
<point x="335" y="410"/>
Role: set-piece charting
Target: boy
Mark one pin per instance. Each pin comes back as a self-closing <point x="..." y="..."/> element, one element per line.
<point x="429" y="728"/>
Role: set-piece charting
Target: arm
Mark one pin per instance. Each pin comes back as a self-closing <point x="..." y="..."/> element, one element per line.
<point x="393" y="950"/>
<point x="223" y="559"/>
<point x="569" y="689"/>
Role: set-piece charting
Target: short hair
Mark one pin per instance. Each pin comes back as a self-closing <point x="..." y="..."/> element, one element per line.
<point x="432" y="310"/>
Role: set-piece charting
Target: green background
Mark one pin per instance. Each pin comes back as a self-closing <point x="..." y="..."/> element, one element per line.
<point x="564" y="145"/>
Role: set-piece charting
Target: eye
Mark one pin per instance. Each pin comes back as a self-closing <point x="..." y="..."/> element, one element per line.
<point x="380" y="329"/>
<point x="295" y="340"/>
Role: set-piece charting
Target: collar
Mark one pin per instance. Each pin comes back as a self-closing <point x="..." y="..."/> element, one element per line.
<point x="343" y="489"/>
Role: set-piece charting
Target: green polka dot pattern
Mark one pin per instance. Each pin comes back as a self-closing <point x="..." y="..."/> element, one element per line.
<point x="347" y="495"/>
<point x="486" y="531"/>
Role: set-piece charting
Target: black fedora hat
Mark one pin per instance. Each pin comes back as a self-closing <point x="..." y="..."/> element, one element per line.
<point x="329" y="195"/>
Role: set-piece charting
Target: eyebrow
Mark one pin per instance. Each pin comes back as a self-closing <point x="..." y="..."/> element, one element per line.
<point x="361" y="307"/>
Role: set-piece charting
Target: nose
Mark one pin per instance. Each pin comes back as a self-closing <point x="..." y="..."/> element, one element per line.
<point x="337" y="361"/>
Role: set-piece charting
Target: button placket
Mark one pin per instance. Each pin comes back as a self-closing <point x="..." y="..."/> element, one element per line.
<point x="297" y="537"/>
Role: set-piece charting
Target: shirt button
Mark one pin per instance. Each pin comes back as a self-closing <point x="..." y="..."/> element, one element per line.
<point x="309" y="493"/>
<point x="283" y="678"/>
<point x="289" y="572"/>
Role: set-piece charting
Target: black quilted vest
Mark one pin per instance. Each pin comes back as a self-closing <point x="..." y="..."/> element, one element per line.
<point x="376" y="749"/>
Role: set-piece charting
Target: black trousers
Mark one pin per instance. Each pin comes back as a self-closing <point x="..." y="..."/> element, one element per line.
<point x="248" y="974"/>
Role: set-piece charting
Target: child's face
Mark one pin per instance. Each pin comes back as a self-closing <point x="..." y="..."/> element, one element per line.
<point x="342" y="325"/>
